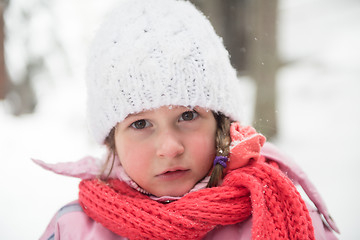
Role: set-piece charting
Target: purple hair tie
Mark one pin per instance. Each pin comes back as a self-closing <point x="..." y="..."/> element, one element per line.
<point x="221" y="160"/>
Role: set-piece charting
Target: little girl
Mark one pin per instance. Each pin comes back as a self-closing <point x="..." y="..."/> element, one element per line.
<point x="164" y="99"/>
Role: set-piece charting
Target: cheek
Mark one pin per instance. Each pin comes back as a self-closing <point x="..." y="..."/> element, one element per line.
<point x="133" y="155"/>
<point x="203" y="148"/>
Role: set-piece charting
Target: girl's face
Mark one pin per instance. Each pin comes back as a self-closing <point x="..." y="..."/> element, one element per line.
<point x="166" y="151"/>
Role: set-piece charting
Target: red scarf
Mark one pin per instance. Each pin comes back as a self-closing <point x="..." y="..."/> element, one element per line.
<point x="258" y="189"/>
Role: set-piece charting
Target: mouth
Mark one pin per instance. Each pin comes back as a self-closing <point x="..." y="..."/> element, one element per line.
<point x="173" y="174"/>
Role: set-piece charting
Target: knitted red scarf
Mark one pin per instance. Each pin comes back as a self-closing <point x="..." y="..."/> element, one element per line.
<point x="259" y="189"/>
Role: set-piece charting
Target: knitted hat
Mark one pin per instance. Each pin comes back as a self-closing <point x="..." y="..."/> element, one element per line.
<point x="153" y="53"/>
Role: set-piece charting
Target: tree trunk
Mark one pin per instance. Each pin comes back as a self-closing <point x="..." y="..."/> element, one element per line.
<point x="4" y="80"/>
<point x="263" y="62"/>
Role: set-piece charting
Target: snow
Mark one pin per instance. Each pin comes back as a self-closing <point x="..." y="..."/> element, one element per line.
<point x="318" y="102"/>
<point x="318" y="112"/>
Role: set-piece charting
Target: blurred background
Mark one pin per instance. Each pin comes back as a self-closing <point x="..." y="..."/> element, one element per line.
<point x="298" y="63"/>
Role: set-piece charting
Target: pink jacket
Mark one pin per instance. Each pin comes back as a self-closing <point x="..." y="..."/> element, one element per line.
<point x="70" y="222"/>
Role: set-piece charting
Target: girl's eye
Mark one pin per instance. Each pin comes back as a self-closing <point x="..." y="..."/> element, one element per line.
<point x="188" y="116"/>
<point x="140" y="124"/>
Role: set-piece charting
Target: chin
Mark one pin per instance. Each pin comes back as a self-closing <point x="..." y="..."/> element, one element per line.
<point x="173" y="193"/>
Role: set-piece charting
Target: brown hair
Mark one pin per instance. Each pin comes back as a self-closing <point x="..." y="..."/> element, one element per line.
<point x="110" y="144"/>
<point x="222" y="141"/>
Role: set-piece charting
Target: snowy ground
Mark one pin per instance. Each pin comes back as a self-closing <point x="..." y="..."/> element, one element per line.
<point x="318" y="115"/>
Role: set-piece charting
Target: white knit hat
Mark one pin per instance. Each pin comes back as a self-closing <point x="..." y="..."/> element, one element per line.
<point x="153" y="53"/>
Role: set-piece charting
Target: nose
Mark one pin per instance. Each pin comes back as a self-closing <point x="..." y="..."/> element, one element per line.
<point x="169" y="145"/>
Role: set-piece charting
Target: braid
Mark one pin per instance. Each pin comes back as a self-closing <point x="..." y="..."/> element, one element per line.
<point x="222" y="140"/>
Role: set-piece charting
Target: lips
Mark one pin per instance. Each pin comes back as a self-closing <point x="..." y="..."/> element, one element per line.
<point x="173" y="174"/>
